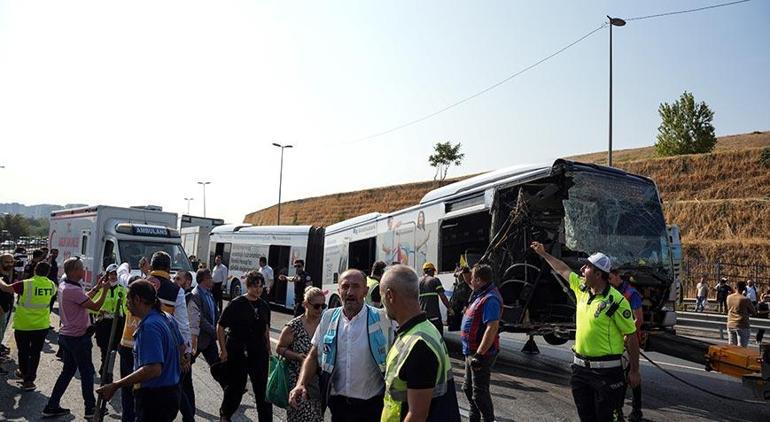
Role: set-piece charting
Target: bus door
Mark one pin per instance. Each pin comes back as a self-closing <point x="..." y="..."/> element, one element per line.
<point x="278" y="258"/>
<point x="315" y="255"/>
<point x="362" y="254"/>
<point x="223" y="250"/>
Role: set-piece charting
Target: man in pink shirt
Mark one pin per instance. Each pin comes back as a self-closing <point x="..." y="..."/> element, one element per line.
<point x="74" y="339"/>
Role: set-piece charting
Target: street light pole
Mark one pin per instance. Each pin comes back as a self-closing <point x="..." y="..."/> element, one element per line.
<point x="188" y="204"/>
<point x="613" y="22"/>
<point x="204" y="195"/>
<point x="280" y="178"/>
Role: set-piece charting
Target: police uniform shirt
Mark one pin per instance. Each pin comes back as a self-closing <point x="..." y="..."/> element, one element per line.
<point x="598" y="334"/>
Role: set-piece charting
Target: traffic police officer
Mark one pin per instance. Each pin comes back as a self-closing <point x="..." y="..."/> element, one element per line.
<point x="31" y="320"/>
<point x="419" y="384"/>
<point x="603" y="320"/>
<point x="104" y="316"/>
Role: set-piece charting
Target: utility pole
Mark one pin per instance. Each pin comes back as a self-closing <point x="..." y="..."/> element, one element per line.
<point x="188" y="204"/>
<point x="613" y="22"/>
<point x="280" y="178"/>
<point x="204" y="195"/>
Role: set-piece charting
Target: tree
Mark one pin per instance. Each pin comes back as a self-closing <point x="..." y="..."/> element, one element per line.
<point x="685" y="128"/>
<point x="445" y="156"/>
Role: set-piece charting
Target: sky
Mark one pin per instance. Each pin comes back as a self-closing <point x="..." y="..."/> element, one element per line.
<point x="129" y="103"/>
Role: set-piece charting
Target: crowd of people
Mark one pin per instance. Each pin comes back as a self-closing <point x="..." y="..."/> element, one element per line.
<point x="380" y="356"/>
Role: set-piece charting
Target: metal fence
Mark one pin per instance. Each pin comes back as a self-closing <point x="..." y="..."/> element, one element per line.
<point x="694" y="269"/>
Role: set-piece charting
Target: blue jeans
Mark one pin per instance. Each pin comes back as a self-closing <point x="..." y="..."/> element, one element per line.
<point x="700" y="304"/>
<point x="77" y="357"/>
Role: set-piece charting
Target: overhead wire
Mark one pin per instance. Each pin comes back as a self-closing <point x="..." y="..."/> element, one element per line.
<point x="530" y="67"/>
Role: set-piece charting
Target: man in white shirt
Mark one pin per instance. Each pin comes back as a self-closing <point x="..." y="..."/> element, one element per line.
<point x="219" y="274"/>
<point x="266" y="272"/>
<point x="349" y="347"/>
<point x="701" y="295"/>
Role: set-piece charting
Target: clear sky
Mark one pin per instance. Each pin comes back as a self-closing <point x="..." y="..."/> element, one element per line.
<point x="127" y="103"/>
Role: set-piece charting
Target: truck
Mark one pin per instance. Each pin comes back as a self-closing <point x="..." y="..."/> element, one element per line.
<point x="102" y="235"/>
<point x="195" y="232"/>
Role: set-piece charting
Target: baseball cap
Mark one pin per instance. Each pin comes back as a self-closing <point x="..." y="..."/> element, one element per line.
<point x="428" y="266"/>
<point x="601" y="261"/>
<point x="112" y="268"/>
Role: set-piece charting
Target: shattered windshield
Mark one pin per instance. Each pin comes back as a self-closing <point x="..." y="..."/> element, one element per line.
<point x="617" y="215"/>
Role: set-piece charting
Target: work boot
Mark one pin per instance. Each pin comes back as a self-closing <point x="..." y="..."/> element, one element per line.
<point x="635" y="416"/>
<point x="28" y="386"/>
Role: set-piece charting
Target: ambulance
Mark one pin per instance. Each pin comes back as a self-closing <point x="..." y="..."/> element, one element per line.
<point x="102" y="235"/>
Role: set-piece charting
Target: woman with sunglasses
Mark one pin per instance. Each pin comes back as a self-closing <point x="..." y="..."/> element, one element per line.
<point x="294" y="344"/>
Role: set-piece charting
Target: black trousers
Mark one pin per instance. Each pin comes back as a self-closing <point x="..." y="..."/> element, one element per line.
<point x="476" y="389"/>
<point x="216" y="291"/>
<point x="256" y="368"/>
<point x="157" y="404"/>
<point x="597" y="392"/>
<point x="30" y="344"/>
<point x="126" y="393"/>
<point x="102" y="331"/>
<point x="346" y="409"/>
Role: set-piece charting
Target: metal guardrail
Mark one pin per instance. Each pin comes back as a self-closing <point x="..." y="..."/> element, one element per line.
<point x="715" y="324"/>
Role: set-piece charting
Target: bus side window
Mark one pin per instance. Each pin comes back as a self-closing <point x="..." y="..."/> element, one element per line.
<point x="336" y="277"/>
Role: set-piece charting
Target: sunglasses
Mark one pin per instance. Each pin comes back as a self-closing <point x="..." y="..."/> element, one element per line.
<point x="318" y="306"/>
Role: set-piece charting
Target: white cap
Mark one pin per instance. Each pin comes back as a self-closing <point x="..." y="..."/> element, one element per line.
<point x="112" y="268"/>
<point x="601" y="261"/>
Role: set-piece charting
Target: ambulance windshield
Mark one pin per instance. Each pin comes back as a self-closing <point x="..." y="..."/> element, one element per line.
<point x="132" y="251"/>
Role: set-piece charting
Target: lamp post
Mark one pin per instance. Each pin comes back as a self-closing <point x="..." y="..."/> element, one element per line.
<point x="188" y="204"/>
<point x="280" y="178"/>
<point x="204" y="195"/>
<point x="613" y="22"/>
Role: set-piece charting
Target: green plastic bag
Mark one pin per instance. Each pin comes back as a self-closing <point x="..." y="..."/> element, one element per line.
<point x="278" y="383"/>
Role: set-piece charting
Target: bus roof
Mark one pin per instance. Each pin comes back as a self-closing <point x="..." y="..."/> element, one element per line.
<point x="249" y="229"/>
<point x="361" y="219"/>
<point x="480" y="182"/>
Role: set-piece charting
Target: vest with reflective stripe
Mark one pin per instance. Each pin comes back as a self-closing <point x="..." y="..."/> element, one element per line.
<point x="379" y="339"/>
<point x="111" y="301"/>
<point x="371" y="283"/>
<point x="32" y="311"/>
<point x="395" y="387"/>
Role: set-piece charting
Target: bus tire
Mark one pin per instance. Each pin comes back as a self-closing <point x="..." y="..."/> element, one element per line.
<point x="235" y="289"/>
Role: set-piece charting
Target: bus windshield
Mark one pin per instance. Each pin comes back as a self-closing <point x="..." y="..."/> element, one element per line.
<point x="132" y="251"/>
<point x="620" y="216"/>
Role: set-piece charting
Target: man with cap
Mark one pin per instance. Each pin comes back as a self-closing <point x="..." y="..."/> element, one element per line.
<point x="604" y="328"/>
<point x="431" y="291"/>
<point x="723" y="290"/>
<point x="104" y="316"/>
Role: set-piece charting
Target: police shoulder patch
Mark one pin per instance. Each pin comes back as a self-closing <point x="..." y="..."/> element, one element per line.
<point x="626" y="313"/>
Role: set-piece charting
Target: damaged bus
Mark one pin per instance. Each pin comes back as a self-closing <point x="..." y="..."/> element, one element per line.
<point x="574" y="209"/>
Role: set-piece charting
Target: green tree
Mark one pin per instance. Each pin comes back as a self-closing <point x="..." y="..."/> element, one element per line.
<point x="445" y="156"/>
<point x="16" y="225"/>
<point x="685" y="127"/>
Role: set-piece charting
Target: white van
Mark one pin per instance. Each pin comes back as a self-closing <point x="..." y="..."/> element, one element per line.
<point x="241" y="246"/>
<point x="102" y="235"/>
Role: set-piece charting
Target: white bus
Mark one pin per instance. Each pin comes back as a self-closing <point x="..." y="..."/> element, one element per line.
<point x="575" y="209"/>
<point x="241" y="246"/>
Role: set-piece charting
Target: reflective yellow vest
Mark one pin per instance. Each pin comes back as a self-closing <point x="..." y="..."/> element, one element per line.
<point x="111" y="301"/>
<point x="32" y="311"/>
<point x="371" y="283"/>
<point x="395" y="387"/>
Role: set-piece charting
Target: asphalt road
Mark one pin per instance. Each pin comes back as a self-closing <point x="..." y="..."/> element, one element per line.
<point x="524" y="388"/>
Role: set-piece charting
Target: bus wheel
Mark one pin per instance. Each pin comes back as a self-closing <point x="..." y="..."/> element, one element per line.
<point x="554" y="340"/>
<point x="235" y="290"/>
<point x="334" y="302"/>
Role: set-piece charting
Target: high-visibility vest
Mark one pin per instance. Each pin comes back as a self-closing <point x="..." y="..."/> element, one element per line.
<point x="378" y="327"/>
<point x="33" y="310"/>
<point x="395" y="387"/>
<point x="371" y="283"/>
<point x="111" y="301"/>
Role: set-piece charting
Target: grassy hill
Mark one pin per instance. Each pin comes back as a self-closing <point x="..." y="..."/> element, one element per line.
<point x="721" y="200"/>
